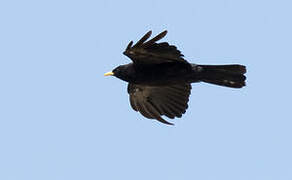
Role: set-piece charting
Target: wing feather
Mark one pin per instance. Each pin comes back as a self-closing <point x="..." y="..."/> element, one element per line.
<point x="143" y="39"/>
<point x="156" y="38"/>
<point x="150" y="52"/>
<point x="156" y="114"/>
<point x="155" y="101"/>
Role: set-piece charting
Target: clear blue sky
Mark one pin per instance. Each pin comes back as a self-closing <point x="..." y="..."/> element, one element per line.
<point x="60" y="118"/>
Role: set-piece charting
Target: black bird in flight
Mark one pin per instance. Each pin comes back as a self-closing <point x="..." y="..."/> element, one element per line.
<point x="160" y="78"/>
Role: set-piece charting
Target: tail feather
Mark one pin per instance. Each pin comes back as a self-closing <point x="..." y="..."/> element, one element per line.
<point x="224" y="75"/>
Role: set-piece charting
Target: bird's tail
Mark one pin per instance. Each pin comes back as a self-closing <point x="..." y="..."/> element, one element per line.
<point x="223" y="75"/>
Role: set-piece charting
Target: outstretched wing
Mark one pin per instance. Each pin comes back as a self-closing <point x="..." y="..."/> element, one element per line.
<point x="155" y="101"/>
<point x="150" y="52"/>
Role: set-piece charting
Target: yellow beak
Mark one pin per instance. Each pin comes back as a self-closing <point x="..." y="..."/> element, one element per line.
<point x="109" y="74"/>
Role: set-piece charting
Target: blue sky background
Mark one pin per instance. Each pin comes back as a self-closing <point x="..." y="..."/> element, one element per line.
<point x="62" y="119"/>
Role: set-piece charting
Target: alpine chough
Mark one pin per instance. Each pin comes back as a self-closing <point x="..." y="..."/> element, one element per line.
<point x="160" y="78"/>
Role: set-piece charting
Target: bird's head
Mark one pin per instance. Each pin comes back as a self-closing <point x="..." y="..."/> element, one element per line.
<point x="123" y="72"/>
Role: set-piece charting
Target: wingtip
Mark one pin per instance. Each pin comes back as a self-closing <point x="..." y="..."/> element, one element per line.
<point x="149" y="32"/>
<point x="164" y="32"/>
<point x="164" y="121"/>
<point x="156" y="38"/>
<point x="143" y="39"/>
<point x="161" y="35"/>
<point x="129" y="45"/>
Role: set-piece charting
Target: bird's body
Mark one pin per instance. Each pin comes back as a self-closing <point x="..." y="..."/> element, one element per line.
<point x="159" y="77"/>
<point x="161" y="74"/>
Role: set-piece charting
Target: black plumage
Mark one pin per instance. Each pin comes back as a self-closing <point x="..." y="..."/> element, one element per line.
<point x="160" y="78"/>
